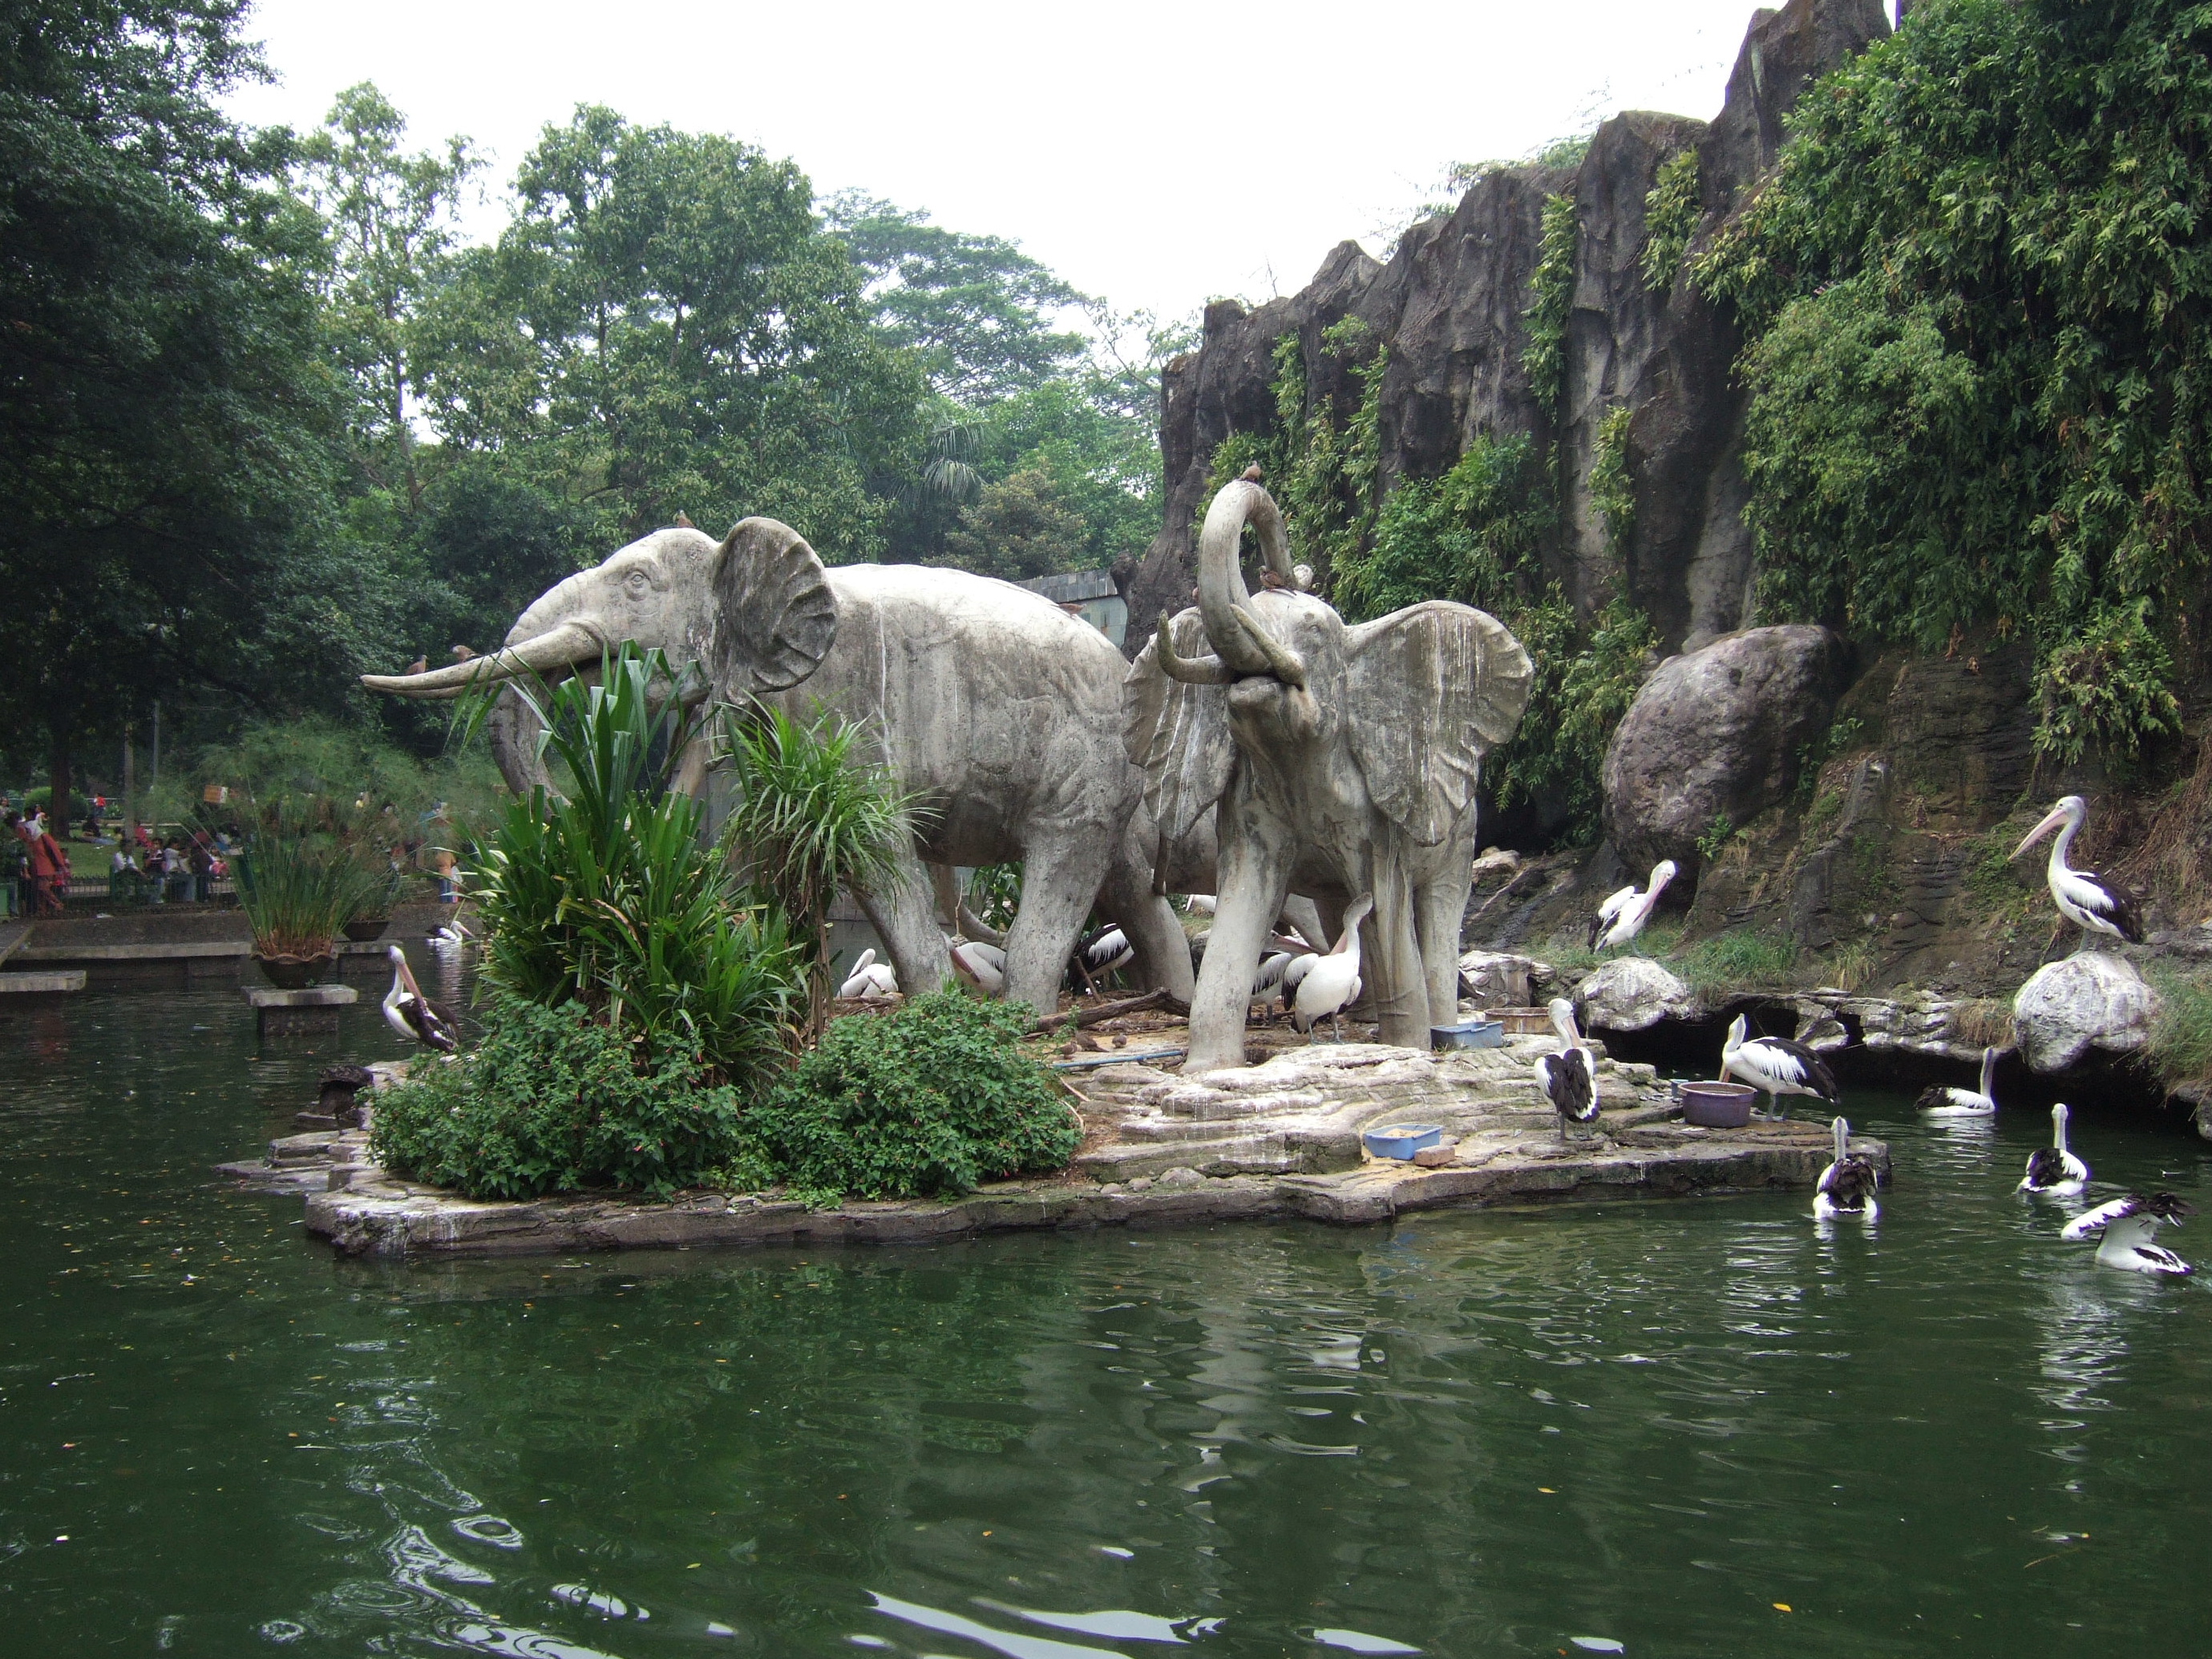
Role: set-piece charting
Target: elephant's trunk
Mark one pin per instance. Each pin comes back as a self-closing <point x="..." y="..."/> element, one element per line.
<point x="561" y="647"/>
<point x="1221" y="593"/>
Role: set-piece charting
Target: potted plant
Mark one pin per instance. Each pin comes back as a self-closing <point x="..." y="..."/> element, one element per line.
<point x="372" y="913"/>
<point x="299" y="889"/>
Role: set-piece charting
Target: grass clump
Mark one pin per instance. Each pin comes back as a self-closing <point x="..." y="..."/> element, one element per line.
<point x="554" y="1099"/>
<point x="932" y="1099"/>
<point x="2180" y="1046"/>
<point x="1742" y="960"/>
<point x="300" y="884"/>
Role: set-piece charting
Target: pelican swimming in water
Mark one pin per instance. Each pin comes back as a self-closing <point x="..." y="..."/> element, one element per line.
<point x="870" y="978"/>
<point x="1566" y="1077"/>
<point x="413" y="1015"/>
<point x="1964" y="1102"/>
<point x="2094" y="903"/>
<point x="2127" y="1225"/>
<point x="1332" y="984"/>
<point x="2052" y="1169"/>
<point x="1621" y="917"/>
<point x="1847" y="1186"/>
<point x="1777" y="1067"/>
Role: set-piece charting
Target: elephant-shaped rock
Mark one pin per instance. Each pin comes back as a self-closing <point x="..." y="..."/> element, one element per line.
<point x="1340" y="761"/>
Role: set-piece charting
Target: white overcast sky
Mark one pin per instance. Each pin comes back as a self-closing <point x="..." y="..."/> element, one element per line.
<point x="1154" y="154"/>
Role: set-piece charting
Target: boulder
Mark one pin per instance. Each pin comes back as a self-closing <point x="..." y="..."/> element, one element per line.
<point x="1501" y="979"/>
<point x="2091" y="999"/>
<point x="1717" y="734"/>
<point x="1630" y="993"/>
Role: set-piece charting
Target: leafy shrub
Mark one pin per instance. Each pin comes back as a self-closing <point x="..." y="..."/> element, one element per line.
<point x="1671" y="213"/>
<point x="298" y="884"/>
<point x="2180" y="1046"/>
<point x="1613" y="489"/>
<point x="554" y="1099"/>
<point x="1586" y="676"/>
<point x="1551" y="300"/>
<point x="1461" y="537"/>
<point x="933" y="1098"/>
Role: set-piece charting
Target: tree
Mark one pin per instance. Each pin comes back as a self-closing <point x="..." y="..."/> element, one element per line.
<point x="390" y="232"/>
<point x="1020" y="528"/>
<point x="167" y="429"/>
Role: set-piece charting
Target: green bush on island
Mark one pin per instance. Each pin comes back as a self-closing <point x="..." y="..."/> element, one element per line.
<point x="555" y="1099"/>
<point x="932" y="1099"/>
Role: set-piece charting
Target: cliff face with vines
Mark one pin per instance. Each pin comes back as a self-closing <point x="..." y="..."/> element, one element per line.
<point x="1550" y="310"/>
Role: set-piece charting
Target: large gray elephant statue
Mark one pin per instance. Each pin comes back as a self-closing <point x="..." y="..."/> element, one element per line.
<point x="1340" y="760"/>
<point x="1001" y="712"/>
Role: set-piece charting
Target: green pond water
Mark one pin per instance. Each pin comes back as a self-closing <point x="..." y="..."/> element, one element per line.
<point x="1657" y="1426"/>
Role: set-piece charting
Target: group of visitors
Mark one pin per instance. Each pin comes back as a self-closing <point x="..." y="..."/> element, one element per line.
<point x="37" y="865"/>
<point x="144" y="868"/>
<point x="183" y="869"/>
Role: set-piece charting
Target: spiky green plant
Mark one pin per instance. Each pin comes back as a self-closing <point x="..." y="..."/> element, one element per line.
<point x="298" y="884"/>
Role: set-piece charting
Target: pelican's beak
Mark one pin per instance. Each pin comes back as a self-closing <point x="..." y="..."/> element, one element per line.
<point x="2051" y="820"/>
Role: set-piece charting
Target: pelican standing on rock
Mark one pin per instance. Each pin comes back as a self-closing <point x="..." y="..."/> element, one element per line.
<point x="1621" y="917"/>
<point x="2094" y="903"/>
<point x="1847" y="1186"/>
<point x="1777" y="1067"/>
<point x="1964" y="1102"/>
<point x="1566" y="1077"/>
<point x="1332" y="984"/>
<point x="870" y="978"/>
<point x="413" y="1015"/>
<point x="2052" y="1169"/>
<point x="2127" y="1225"/>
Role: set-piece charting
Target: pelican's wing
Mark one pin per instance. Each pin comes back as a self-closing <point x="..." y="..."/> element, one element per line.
<point x="2096" y="1220"/>
<point x="1606" y="911"/>
<point x="1796" y="1063"/>
<point x="2104" y="898"/>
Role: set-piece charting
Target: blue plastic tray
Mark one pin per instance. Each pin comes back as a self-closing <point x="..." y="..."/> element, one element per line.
<point x="1468" y="1034"/>
<point x="1401" y="1140"/>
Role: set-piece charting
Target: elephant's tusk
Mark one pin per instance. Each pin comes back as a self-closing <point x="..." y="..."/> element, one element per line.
<point x="1285" y="663"/>
<point x="564" y="646"/>
<point x="1190" y="671"/>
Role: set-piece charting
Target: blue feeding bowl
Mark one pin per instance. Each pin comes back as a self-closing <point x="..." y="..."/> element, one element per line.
<point x="1402" y="1140"/>
<point x="1468" y="1034"/>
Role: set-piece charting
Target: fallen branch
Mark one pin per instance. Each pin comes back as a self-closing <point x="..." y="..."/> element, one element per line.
<point x="1083" y="1017"/>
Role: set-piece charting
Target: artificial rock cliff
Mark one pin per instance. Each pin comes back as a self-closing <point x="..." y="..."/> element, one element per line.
<point x="1449" y="305"/>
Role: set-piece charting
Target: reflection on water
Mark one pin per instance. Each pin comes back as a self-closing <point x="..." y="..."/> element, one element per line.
<point x="1609" y="1428"/>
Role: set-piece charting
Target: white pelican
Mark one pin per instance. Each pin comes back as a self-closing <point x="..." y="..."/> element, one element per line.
<point x="2127" y="1224"/>
<point x="870" y="978"/>
<point x="1566" y="1077"/>
<point x="1621" y="917"/>
<point x="1269" y="973"/>
<point x="1964" y="1102"/>
<point x="1846" y="1187"/>
<point x="1200" y="905"/>
<point x="1294" y="974"/>
<point x="1777" y="1067"/>
<point x="453" y="934"/>
<point x="2089" y="901"/>
<point x="413" y="1015"/>
<point x="1100" y="951"/>
<point x="1332" y="984"/>
<point x="984" y="966"/>
<point x="2052" y="1169"/>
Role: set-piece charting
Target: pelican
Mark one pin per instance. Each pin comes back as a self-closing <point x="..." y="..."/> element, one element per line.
<point x="870" y="978"/>
<point x="1621" y="917"/>
<point x="1269" y="973"/>
<point x="1964" y="1102"/>
<point x="2094" y="903"/>
<point x="2052" y="1169"/>
<point x="1846" y="1187"/>
<point x="1777" y="1067"/>
<point x="1099" y="952"/>
<point x="451" y="935"/>
<point x="1294" y="974"/>
<point x="413" y="1015"/>
<point x="1332" y="984"/>
<point x="984" y="966"/>
<point x="1566" y="1077"/>
<point x="1201" y="904"/>
<point x="2127" y="1225"/>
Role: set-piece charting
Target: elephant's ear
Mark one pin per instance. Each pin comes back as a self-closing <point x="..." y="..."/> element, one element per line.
<point x="775" y="615"/>
<point x="1431" y="689"/>
<point x="1177" y="732"/>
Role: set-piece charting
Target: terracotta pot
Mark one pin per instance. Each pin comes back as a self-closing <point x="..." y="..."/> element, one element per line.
<point x="362" y="929"/>
<point x="297" y="973"/>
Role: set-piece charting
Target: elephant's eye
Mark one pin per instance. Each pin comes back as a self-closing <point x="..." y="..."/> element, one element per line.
<point x="637" y="584"/>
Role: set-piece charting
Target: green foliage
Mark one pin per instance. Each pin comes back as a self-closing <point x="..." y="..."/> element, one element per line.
<point x="1586" y="676"/>
<point x="1741" y="959"/>
<point x="1467" y="536"/>
<point x="814" y="813"/>
<point x="1612" y="491"/>
<point x="1975" y="296"/>
<point x="1018" y="528"/>
<point x="2180" y="1046"/>
<point x="316" y="755"/>
<point x="300" y="884"/>
<point x="1551" y="300"/>
<point x="1671" y="212"/>
<point x="556" y="1099"/>
<point x="1717" y="836"/>
<point x="933" y="1098"/>
<point x="606" y="898"/>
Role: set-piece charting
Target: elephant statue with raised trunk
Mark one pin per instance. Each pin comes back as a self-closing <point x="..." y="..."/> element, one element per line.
<point x="1340" y="762"/>
<point x="996" y="708"/>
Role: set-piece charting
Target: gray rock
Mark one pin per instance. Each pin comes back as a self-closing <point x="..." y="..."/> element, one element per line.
<point x="1181" y="1179"/>
<point x="2092" y="999"/>
<point x="1717" y="733"/>
<point x="1631" y="992"/>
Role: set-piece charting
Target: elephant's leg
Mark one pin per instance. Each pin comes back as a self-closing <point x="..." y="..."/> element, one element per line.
<point x="902" y="917"/>
<point x="1256" y="865"/>
<point x="1395" y="982"/>
<point x="1439" y="909"/>
<point x="1150" y="924"/>
<point x="1060" y="880"/>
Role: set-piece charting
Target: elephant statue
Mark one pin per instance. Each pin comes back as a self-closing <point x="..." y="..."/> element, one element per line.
<point x="1340" y="761"/>
<point x="998" y="710"/>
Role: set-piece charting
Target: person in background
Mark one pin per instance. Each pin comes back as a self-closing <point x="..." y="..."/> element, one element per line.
<point x="177" y="870"/>
<point x="202" y="863"/>
<point x="14" y="868"/>
<point x="126" y="882"/>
